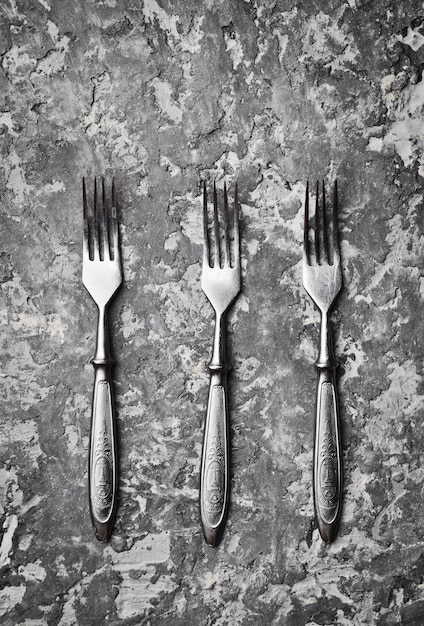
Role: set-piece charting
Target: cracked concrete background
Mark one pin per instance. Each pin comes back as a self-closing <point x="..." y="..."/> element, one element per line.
<point x="164" y="95"/>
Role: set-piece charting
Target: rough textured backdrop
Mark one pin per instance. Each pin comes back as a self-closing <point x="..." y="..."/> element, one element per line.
<point x="163" y="95"/>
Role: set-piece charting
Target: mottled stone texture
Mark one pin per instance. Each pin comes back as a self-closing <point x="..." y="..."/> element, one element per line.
<point x="164" y="94"/>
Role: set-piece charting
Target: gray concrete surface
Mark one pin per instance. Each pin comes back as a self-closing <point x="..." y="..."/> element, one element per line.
<point x="164" y="95"/>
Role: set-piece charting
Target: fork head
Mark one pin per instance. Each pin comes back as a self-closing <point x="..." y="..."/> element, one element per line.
<point x="221" y="252"/>
<point x="101" y="268"/>
<point x="322" y="275"/>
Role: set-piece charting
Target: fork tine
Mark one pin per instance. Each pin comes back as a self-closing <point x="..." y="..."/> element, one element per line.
<point x="236" y="228"/>
<point x="306" y="250"/>
<point x="113" y="240"/>
<point x="336" y="245"/>
<point x="86" y="234"/>
<point x="95" y="239"/>
<point x="316" y="225"/>
<point x="101" y="220"/>
<point x="206" y="245"/>
<point x="325" y="252"/>
<point x="105" y="224"/>
<point x="226" y="228"/>
<point x="215" y="227"/>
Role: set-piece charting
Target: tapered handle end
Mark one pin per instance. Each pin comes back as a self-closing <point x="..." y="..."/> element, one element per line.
<point x="328" y="532"/>
<point x="212" y="535"/>
<point x="103" y="531"/>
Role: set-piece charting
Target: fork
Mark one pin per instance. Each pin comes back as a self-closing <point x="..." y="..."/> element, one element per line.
<point x="322" y="279"/>
<point x="221" y="284"/>
<point x="101" y="276"/>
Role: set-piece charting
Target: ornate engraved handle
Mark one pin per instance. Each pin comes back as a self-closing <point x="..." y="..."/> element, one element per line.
<point x="214" y="483"/>
<point x="103" y="451"/>
<point x="327" y="457"/>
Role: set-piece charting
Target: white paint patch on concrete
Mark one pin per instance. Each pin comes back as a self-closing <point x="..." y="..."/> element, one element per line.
<point x="140" y="583"/>
<point x="234" y="48"/>
<point x="154" y="13"/>
<point x="33" y="572"/>
<point x="10" y="524"/>
<point x="45" y="4"/>
<point x="55" y="186"/>
<point x="165" y="100"/>
<point x="15" y="178"/>
<point x="11" y="597"/>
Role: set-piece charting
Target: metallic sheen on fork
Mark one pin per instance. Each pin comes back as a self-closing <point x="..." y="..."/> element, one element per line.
<point x="101" y="276"/>
<point x="322" y="279"/>
<point x="221" y="284"/>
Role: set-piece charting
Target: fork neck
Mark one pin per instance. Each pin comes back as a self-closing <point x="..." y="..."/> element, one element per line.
<point x="326" y="360"/>
<point x="102" y="355"/>
<point x="219" y="356"/>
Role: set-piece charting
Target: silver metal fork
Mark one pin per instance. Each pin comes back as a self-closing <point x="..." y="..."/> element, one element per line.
<point x="221" y="284"/>
<point x="101" y="276"/>
<point x="322" y="279"/>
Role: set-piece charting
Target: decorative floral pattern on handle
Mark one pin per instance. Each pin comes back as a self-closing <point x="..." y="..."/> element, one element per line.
<point x="102" y="461"/>
<point x="214" y="471"/>
<point x="328" y="469"/>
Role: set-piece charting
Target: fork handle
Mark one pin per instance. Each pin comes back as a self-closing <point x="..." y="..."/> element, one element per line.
<point x="327" y="456"/>
<point x="103" y="471"/>
<point x="214" y="481"/>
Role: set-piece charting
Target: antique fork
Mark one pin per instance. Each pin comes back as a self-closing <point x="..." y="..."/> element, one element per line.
<point x="322" y="279"/>
<point x="221" y="284"/>
<point x="101" y="276"/>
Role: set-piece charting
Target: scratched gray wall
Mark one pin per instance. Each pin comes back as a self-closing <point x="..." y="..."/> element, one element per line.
<point x="163" y="95"/>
